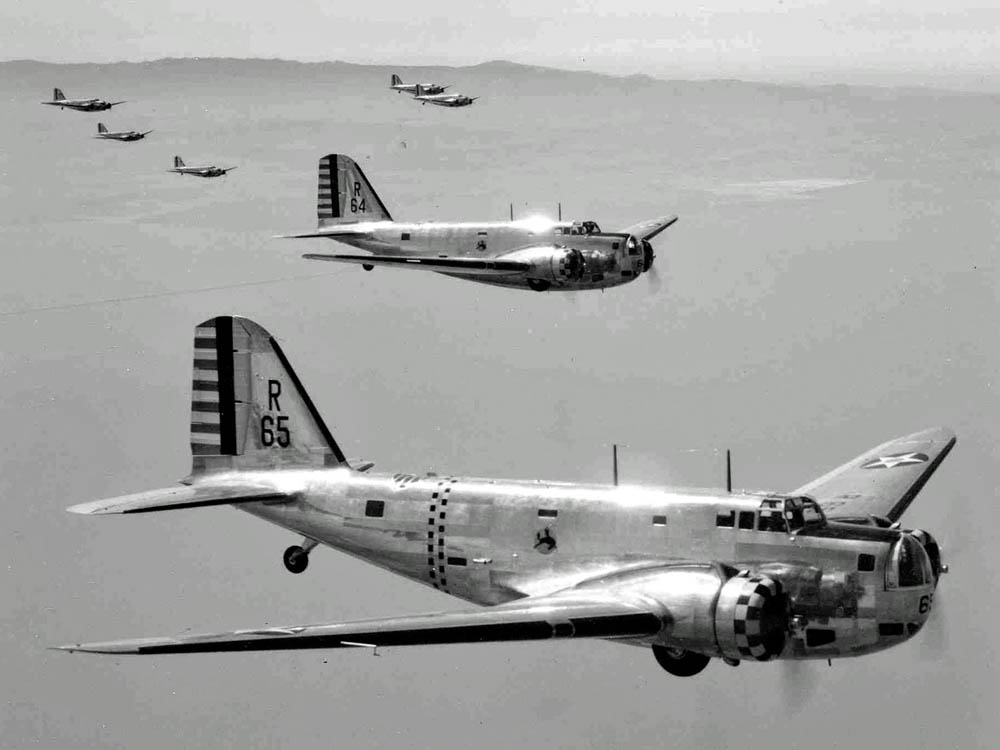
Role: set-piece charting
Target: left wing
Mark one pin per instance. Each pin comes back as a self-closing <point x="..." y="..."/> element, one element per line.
<point x="647" y="230"/>
<point x="883" y="481"/>
<point x="566" y="615"/>
<point x="458" y="266"/>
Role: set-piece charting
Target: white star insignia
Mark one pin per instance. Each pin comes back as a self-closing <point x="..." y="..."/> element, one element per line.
<point x="897" y="459"/>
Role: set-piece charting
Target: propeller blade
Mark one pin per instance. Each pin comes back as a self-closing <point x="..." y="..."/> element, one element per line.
<point x="798" y="683"/>
<point x="933" y="638"/>
<point x="655" y="282"/>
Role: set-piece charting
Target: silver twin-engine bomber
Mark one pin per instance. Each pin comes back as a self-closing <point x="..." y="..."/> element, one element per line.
<point x="122" y="135"/>
<point x="535" y="253"/>
<point x="80" y="105"/>
<point x="210" y="171"/>
<point x="397" y="85"/>
<point x="822" y="571"/>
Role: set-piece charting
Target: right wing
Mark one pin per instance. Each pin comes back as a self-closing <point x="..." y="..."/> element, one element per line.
<point x="648" y="229"/>
<point x="883" y="481"/>
<point x="566" y="615"/>
<point x="457" y="266"/>
<point x="183" y="496"/>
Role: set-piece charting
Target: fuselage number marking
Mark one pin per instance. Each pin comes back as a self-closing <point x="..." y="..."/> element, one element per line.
<point x="274" y="430"/>
<point x="356" y="205"/>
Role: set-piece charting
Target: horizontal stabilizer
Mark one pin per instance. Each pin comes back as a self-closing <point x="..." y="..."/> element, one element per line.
<point x="330" y="232"/>
<point x="177" y="498"/>
<point x="457" y="266"/>
<point x="567" y="615"/>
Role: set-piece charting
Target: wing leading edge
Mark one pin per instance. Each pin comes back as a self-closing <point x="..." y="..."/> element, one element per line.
<point x="883" y="481"/>
<point x="555" y="616"/>
<point x="458" y="266"/>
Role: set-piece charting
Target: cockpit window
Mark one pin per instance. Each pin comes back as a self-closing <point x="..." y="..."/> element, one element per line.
<point x="811" y="512"/>
<point x="770" y="520"/>
<point x="800" y="511"/>
<point x="582" y="227"/>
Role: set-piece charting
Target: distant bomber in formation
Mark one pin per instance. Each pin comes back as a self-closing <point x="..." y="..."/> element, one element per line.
<point x="821" y="572"/>
<point x="443" y="100"/>
<point x="81" y="105"/>
<point x="122" y="135"/>
<point x="535" y="253"/>
<point x="212" y="171"/>
<point x="396" y="84"/>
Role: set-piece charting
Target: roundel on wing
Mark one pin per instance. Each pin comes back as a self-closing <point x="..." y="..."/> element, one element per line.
<point x="894" y="460"/>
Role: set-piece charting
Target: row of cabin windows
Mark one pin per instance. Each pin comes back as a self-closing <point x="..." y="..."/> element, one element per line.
<point x="767" y="521"/>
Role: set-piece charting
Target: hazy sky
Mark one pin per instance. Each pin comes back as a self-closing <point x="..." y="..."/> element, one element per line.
<point x="684" y="36"/>
<point x="832" y="282"/>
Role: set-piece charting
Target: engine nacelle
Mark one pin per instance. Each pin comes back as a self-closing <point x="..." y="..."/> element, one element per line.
<point x="751" y="618"/>
<point x="555" y="265"/>
<point x="738" y="617"/>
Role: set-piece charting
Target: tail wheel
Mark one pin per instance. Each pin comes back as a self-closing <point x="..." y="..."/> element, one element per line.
<point x="680" y="662"/>
<point x="296" y="559"/>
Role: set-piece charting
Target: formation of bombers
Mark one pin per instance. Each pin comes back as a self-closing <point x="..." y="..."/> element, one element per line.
<point x="821" y="571"/>
<point x="126" y="136"/>
<point x="430" y="93"/>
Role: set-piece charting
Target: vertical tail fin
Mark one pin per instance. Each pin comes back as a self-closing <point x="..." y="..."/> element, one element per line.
<point x="57" y="95"/>
<point x="178" y="162"/>
<point x="396" y="80"/>
<point x="249" y="409"/>
<point x="345" y="195"/>
<point x="101" y="128"/>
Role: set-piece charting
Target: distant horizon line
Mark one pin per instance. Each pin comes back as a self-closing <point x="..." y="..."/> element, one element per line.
<point x="930" y="78"/>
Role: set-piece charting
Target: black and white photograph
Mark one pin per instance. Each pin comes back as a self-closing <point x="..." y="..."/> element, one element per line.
<point x="500" y="375"/>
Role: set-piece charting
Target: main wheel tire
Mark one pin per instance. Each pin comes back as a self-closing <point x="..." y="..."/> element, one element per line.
<point x="680" y="662"/>
<point x="296" y="559"/>
<point x="539" y="285"/>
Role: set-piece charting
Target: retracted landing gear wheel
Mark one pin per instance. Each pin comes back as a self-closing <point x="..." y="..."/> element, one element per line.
<point x="680" y="662"/>
<point x="296" y="559"/>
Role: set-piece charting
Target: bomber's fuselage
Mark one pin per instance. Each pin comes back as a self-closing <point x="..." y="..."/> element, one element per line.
<point x="82" y="105"/>
<point x="607" y="259"/>
<point x="853" y="589"/>
<point x="125" y="135"/>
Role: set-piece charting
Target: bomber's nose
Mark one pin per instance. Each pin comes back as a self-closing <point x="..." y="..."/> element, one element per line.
<point x="648" y="256"/>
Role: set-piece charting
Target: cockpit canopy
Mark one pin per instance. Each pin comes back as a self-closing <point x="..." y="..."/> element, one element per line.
<point x="909" y="564"/>
<point x="581" y="228"/>
<point x="788" y="514"/>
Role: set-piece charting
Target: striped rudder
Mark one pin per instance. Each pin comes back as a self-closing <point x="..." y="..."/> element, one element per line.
<point x="213" y="400"/>
<point x="248" y="408"/>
